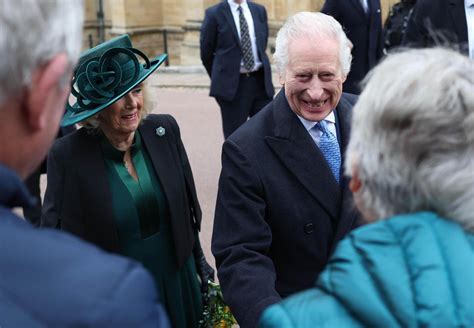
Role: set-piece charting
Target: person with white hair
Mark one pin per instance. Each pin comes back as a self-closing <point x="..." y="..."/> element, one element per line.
<point x="283" y="203"/>
<point x="411" y="158"/>
<point x="49" y="278"/>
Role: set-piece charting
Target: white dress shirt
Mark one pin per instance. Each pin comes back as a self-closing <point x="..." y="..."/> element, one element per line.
<point x="316" y="133"/>
<point x="365" y="5"/>
<point x="253" y="39"/>
<point x="469" y="8"/>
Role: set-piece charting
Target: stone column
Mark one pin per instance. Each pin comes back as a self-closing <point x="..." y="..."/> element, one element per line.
<point x="194" y="13"/>
<point x="139" y="19"/>
<point x="91" y="35"/>
<point x="151" y="24"/>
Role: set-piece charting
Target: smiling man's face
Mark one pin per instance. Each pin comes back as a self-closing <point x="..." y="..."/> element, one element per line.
<point x="313" y="77"/>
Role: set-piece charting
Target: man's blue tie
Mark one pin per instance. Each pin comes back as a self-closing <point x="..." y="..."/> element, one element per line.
<point x="330" y="148"/>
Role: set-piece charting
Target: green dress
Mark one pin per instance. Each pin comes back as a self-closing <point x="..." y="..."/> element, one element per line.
<point x="144" y="230"/>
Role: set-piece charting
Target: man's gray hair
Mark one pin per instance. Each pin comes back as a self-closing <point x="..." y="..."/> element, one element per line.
<point x="310" y="25"/>
<point x="412" y="140"/>
<point x="33" y="32"/>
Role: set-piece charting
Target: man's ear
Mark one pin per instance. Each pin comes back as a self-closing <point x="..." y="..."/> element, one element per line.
<point x="344" y="77"/>
<point x="44" y="90"/>
<point x="281" y="78"/>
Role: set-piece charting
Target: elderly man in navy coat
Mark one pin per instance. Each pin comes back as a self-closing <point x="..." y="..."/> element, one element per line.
<point x="362" y="22"/>
<point x="438" y="21"/>
<point x="49" y="278"/>
<point x="283" y="203"/>
<point x="234" y="37"/>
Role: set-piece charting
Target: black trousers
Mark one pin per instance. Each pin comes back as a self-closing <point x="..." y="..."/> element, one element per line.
<point x="249" y="99"/>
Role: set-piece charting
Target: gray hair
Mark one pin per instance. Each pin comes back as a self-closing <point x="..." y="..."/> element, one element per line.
<point x="31" y="33"/>
<point x="412" y="141"/>
<point x="311" y="25"/>
<point x="92" y="124"/>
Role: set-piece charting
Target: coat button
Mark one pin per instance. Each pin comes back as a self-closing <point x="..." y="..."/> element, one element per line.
<point x="309" y="228"/>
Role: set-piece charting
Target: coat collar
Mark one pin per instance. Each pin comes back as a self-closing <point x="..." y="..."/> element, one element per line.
<point x="230" y="19"/>
<point x="295" y="148"/>
<point x="358" y="7"/>
<point x="158" y="148"/>
<point x="458" y="17"/>
<point x="164" y="155"/>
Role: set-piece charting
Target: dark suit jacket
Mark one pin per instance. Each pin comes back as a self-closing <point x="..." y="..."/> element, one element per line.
<point x="447" y="17"/>
<point x="78" y="198"/>
<point x="221" y="53"/>
<point x="365" y="33"/>
<point x="51" y="279"/>
<point x="279" y="211"/>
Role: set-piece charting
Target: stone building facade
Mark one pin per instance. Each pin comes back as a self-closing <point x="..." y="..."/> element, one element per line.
<point x="156" y="25"/>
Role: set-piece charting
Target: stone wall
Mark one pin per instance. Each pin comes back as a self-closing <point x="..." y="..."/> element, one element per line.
<point x="151" y="22"/>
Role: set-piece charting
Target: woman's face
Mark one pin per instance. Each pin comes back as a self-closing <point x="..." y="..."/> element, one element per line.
<point x="123" y="116"/>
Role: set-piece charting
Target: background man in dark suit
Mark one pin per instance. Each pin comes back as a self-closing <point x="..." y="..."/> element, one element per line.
<point x="395" y="25"/>
<point x="234" y="37"/>
<point x="283" y="203"/>
<point x="48" y="278"/>
<point x="439" y="21"/>
<point x="362" y="23"/>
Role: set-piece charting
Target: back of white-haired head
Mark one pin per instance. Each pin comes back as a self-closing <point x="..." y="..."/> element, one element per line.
<point x="311" y="26"/>
<point x="412" y="140"/>
<point x="33" y="32"/>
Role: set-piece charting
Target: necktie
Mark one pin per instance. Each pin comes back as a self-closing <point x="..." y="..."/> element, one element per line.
<point x="330" y="148"/>
<point x="245" y="43"/>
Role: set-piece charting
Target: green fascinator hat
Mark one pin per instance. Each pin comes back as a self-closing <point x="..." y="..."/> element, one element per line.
<point x="105" y="74"/>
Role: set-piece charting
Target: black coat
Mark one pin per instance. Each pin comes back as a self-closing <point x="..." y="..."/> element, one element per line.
<point x="221" y="52"/>
<point x="78" y="198"/>
<point x="279" y="212"/>
<point x="445" y="17"/>
<point x="365" y="33"/>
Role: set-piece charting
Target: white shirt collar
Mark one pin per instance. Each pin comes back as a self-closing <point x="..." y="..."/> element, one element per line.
<point x="310" y="124"/>
<point x="468" y="3"/>
<point x="234" y="6"/>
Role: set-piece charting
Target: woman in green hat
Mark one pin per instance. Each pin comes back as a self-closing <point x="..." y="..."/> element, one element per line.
<point x="123" y="182"/>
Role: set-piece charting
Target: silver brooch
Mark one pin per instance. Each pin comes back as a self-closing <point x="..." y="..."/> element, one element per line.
<point x="160" y="131"/>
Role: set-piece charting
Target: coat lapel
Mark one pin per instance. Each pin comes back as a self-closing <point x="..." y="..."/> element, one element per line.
<point x="458" y="16"/>
<point x="159" y="149"/>
<point x="292" y="144"/>
<point x="99" y="221"/>
<point x="161" y="156"/>
<point x="165" y="159"/>
<point x="230" y="19"/>
<point x="257" y="27"/>
<point x="358" y="7"/>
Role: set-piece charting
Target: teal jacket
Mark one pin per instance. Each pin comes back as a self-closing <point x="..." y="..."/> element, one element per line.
<point x="413" y="270"/>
